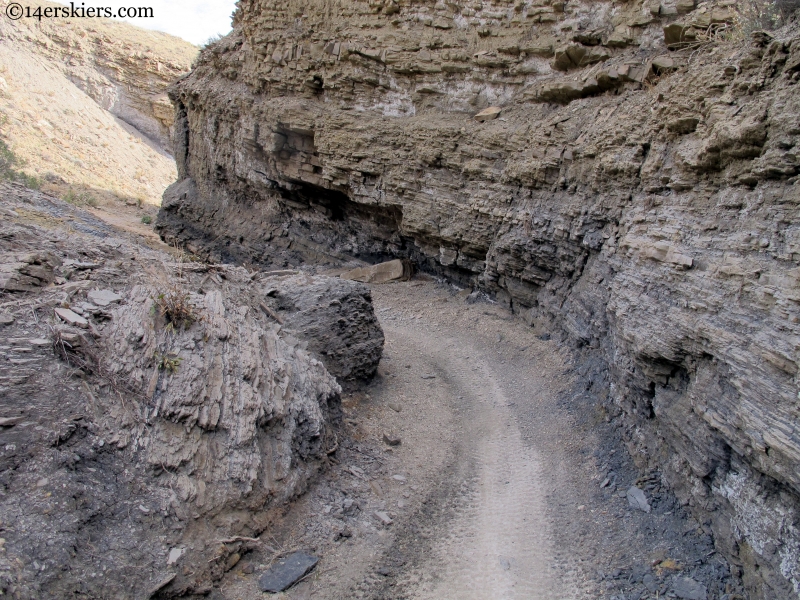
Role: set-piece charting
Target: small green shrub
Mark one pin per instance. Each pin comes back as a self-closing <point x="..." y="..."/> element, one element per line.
<point x="9" y="160"/>
<point x="168" y="362"/>
<point x="30" y="181"/>
<point x="147" y="219"/>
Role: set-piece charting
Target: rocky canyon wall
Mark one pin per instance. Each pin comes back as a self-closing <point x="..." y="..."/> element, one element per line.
<point x="637" y="192"/>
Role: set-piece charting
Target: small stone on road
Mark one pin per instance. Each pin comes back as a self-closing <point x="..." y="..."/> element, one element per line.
<point x="286" y="571"/>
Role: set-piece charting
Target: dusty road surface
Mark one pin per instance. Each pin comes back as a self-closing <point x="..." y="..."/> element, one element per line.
<point x="497" y="543"/>
<point x="495" y="489"/>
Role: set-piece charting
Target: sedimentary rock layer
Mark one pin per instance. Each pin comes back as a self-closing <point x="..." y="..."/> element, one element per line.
<point x="155" y="414"/>
<point x="638" y="191"/>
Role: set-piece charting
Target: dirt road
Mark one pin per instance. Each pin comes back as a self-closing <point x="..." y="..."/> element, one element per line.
<point x="495" y="491"/>
<point x="498" y="541"/>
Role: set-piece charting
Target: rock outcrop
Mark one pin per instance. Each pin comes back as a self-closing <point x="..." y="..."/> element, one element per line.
<point x="153" y="414"/>
<point x="638" y="191"/>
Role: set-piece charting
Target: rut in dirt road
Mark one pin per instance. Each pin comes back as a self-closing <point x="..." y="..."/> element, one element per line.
<point x="498" y="544"/>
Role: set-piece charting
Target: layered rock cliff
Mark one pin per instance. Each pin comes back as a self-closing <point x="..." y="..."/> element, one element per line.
<point x="637" y="192"/>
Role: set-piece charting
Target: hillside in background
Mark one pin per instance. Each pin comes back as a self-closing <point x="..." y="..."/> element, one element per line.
<point x="83" y="108"/>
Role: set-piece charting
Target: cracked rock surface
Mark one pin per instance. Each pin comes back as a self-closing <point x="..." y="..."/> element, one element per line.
<point x="153" y="416"/>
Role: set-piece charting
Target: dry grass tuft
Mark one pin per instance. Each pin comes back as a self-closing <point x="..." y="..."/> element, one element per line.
<point x="174" y="306"/>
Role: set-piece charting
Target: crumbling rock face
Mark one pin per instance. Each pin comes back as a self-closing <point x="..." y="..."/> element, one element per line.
<point x="23" y="272"/>
<point x="638" y="192"/>
<point x="153" y="413"/>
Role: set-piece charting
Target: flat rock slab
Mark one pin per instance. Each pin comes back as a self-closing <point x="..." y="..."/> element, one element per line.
<point x="286" y="571"/>
<point x="71" y="318"/>
<point x="637" y="499"/>
<point x="487" y="114"/>
<point x="393" y="270"/>
<point x="103" y="297"/>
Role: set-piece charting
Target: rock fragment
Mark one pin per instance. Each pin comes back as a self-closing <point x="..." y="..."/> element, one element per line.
<point x="71" y="318"/>
<point x="391" y="440"/>
<point x="6" y="319"/>
<point x="689" y="589"/>
<point x="25" y="272"/>
<point x="487" y="114"/>
<point x="286" y="572"/>
<point x="393" y="270"/>
<point x="678" y="35"/>
<point x="637" y="499"/>
<point x="662" y="64"/>
<point x="384" y="518"/>
<point x="175" y="555"/>
<point x="104" y="297"/>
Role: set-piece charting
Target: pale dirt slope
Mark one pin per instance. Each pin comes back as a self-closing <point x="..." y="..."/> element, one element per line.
<point x="82" y="103"/>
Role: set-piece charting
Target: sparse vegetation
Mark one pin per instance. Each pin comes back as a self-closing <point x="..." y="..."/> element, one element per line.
<point x="8" y="172"/>
<point x="168" y="362"/>
<point x="147" y="219"/>
<point x="79" y="198"/>
<point x="212" y="40"/>
<point x="176" y="309"/>
<point x="73" y="351"/>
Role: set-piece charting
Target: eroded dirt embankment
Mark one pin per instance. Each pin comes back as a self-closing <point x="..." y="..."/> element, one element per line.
<point x="637" y="193"/>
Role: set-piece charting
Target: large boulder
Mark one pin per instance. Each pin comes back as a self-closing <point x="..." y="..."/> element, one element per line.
<point x="334" y="317"/>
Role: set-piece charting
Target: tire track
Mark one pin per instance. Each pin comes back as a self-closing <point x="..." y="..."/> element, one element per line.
<point x="498" y="543"/>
